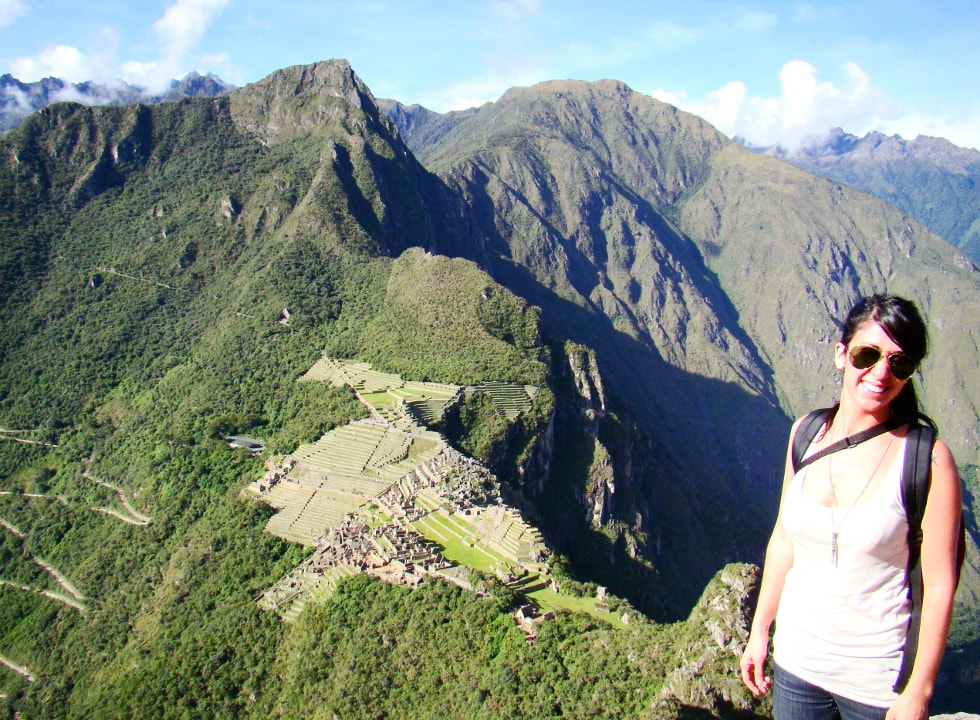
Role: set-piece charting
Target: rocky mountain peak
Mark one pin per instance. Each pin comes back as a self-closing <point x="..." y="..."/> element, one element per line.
<point x="301" y="98"/>
<point x="197" y="85"/>
<point x="929" y="178"/>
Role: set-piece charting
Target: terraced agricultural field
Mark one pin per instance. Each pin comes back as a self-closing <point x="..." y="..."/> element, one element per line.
<point x="342" y="471"/>
<point x="389" y="471"/>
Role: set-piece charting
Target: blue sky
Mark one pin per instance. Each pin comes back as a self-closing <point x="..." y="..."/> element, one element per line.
<point x="769" y="71"/>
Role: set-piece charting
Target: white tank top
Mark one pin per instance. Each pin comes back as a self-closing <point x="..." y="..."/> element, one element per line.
<point x="843" y="628"/>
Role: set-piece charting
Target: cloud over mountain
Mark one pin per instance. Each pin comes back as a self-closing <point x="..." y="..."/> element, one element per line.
<point x="177" y="35"/>
<point x="807" y="107"/>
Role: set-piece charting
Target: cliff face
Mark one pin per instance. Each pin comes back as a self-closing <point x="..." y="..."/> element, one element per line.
<point x="717" y="631"/>
<point x="617" y="505"/>
<point x="361" y="156"/>
<point x="600" y="490"/>
<point x="309" y="98"/>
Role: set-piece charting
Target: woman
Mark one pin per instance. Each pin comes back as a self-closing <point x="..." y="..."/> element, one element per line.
<point x="835" y="572"/>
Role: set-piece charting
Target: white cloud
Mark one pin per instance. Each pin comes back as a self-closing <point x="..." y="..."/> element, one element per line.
<point x="673" y="36"/>
<point x="179" y="31"/>
<point x="69" y="63"/>
<point x="10" y="10"/>
<point x="60" y="61"/>
<point x="474" y="92"/>
<point x="20" y="99"/>
<point x="221" y="65"/>
<point x="135" y="72"/>
<point x="463" y="102"/>
<point x="254" y="24"/>
<point x="183" y="24"/>
<point x="751" y="21"/>
<point x="960" y="129"/>
<point x="806" y="106"/>
<point x="515" y="10"/>
<point x="509" y="58"/>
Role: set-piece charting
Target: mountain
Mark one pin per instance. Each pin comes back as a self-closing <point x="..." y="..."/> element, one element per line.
<point x="931" y="179"/>
<point x="170" y="272"/>
<point x="603" y="189"/>
<point x="18" y="99"/>
<point x="419" y="126"/>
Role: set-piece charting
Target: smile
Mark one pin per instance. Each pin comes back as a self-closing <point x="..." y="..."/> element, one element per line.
<point x="873" y="387"/>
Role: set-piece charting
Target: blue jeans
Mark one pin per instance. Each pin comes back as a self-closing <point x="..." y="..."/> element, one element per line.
<point x="795" y="699"/>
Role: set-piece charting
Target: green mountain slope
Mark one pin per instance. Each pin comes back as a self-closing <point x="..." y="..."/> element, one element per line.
<point x="929" y="178"/>
<point x="782" y="257"/>
<point x="567" y="180"/>
<point x="18" y="99"/>
<point x="168" y="274"/>
<point x="585" y="174"/>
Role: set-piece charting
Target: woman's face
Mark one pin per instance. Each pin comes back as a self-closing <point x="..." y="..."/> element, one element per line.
<point x="873" y="388"/>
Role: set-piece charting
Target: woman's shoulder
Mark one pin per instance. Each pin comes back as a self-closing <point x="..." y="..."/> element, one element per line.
<point x="942" y="456"/>
<point x="944" y="477"/>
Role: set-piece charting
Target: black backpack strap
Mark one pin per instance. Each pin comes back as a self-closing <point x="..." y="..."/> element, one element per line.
<point x="812" y="422"/>
<point x="916" y="477"/>
<point x="805" y="432"/>
<point x="852" y="440"/>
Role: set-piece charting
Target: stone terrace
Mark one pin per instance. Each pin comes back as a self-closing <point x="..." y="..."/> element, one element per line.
<point x="353" y="493"/>
<point x="344" y="469"/>
<point x="509" y="400"/>
<point x="390" y="548"/>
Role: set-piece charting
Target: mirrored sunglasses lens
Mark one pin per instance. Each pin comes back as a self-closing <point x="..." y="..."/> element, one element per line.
<point x="901" y="366"/>
<point x="864" y="357"/>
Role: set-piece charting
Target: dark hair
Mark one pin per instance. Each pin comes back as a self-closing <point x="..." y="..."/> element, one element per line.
<point x="899" y="318"/>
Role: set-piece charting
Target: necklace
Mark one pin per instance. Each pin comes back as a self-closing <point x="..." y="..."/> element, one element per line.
<point x="835" y="526"/>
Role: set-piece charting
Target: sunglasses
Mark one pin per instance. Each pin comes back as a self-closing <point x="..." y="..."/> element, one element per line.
<point x="900" y="365"/>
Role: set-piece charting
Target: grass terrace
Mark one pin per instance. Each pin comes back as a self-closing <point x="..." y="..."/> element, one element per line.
<point x="349" y="469"/>
<point x="509" y="400"/>
<point x="463" y="544"/>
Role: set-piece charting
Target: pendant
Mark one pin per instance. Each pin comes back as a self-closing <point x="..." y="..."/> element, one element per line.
<point x="833" y="548"/>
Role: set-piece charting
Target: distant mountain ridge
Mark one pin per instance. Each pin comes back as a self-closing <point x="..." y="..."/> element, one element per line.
<point x="933" y="180"/>
<point x="592" y="172"/>
<point x="19" y="99"/>
<point x="930" y="178"/>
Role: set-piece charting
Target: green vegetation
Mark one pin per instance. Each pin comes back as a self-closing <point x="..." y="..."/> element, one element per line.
<point x="444" y="320"/>
<point x="476" y="426"/>
<point x="438" y="651"/>
<point x="140" y="328"/>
